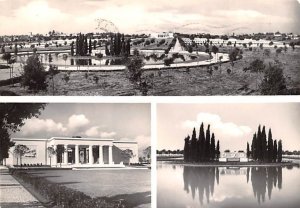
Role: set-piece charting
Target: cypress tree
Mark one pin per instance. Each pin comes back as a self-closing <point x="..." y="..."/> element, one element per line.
<point x="264" y="144"/>
<point x="275" y="151"/>
<point x="254" y="147"/>
<point x="218" y="150"/>
<point x="270" y="146"/>
<point x="259" y="144"/>
<point x="106" y="50"/>
<point x="72" y="49"/>
<point x="112" y="50"/>
<point x="186" y="151"/>
<point x="115" y="44"/>
<point x="248" y="150"/>
<point x="86" y="49"/>
<point x="213" y="147"/>
<point x="128" y="48"/>
<point x="193" y="152"/>
<point x="77" y="48"/>
<point x="201" y="142"/>
<point x="279" y="156"/>
<point x="207" y="143"/>
<point x="90" y="46"/>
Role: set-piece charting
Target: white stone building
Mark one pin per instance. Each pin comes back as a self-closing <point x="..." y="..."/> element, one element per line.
<point x="239" y="156"/>
<point x="79" y="152"/>
<point x="162" y="35"/>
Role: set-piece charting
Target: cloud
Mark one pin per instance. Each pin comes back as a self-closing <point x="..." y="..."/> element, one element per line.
<point x="227" y="129"/>
<point x="36" y="126"/>
<point x="94" y="131"/>
<point x="77" y="121"/>
<point x="107" y="134"/>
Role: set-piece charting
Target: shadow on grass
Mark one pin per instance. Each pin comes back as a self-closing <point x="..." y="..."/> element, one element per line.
<point x="131" y="200"/>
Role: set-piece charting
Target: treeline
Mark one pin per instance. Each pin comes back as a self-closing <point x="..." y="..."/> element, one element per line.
<point x="202" y="149"/>
<point x="118" y="46"/>
<point x="83" y="45"/>
<point x="263" y="148"/>
<point x="164" y="151"/>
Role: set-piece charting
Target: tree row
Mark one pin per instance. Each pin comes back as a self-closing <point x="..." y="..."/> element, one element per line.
<point x="203" y="148"/>
<point x="263" y="148"/>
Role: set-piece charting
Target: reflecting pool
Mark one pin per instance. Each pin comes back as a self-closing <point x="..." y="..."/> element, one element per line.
<point x="186" y="186"/>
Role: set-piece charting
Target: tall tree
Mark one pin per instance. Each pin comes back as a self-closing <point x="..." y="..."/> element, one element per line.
<point x="186" y="151"/>
<point x="201" y="142"/>
<point x="275" y="151"/>
<point x="90" y="46"/>
<point x="259" y="144"/>
<point x="72" y="49"/>
<point x="207" y="143"/>
<point x="218" y="150"/>
<point x="248" y="150"/>
<point x="12" y="118"/>
<point x="270" y="146"/>
<point x="212" y="147"/>
<point x="279" y="151"/>
<point x="193" y="151"/>
<point x="264" y="144"/>
<point x="254" y="147"/>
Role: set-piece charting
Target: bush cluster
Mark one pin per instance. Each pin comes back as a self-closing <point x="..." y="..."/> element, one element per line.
<point x="30" y="165"/>
<point x="62" y="196"/>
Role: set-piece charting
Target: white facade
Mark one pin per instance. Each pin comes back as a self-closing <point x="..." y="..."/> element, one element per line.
<point x="79" y="152"/>
<point x="233" y="157"/>
<point x="187" y="41"/>
<point x="162" y="35"/>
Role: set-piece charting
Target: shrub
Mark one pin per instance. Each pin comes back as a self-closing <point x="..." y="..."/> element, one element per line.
<point x="62" y="196"/>
<point x="34" y="76"/>
<point x="274" y="81"/>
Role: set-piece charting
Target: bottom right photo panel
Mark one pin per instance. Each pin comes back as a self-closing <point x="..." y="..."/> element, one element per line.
<point x="228" y="155"/>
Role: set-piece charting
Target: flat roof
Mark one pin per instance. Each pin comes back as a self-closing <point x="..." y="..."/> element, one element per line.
<point x="73" y="138"/>
<point x="79" y="138"/>
<point x="134" y="142"/>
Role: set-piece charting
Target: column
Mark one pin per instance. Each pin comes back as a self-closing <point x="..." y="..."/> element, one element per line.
<point x="66" y="154"/>
<point x="76" y="154"/>
<point x="90" y="154"/>
<point x="54" y="158"/>
<point x="110" y="157"/>
<point x="100" y="154"/>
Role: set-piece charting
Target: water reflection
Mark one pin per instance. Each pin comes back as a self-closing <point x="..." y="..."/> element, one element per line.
<point x="264" y="179"/>
<point x="203" y="180"/>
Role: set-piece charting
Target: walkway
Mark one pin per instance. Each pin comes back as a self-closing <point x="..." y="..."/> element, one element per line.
<point x="213" y="60"/>
<point x="13" y="194"/>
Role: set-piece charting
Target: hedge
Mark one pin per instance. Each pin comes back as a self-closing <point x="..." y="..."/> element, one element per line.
<point x="61" y="196"/>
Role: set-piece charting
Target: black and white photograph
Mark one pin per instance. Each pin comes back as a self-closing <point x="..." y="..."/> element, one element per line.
<point x="228" y="155"/>
<point x="75" y="155"/>
<point x="158" y="103"/>
<point x="154" y="48"/>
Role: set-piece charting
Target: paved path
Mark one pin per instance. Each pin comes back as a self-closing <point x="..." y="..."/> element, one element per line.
<point x="13" y="194"/>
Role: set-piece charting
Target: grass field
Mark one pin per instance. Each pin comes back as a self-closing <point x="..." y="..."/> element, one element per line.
<point x="131" y="185"/>
<point x="177" y="82"/>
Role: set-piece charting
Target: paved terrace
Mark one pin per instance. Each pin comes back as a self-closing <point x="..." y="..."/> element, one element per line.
<point x="13" y="194"/>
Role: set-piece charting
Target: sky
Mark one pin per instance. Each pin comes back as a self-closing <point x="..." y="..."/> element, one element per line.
<point x="113" y="121"/>
<point x="144" y="16"/>
<point x="232" y="124"/>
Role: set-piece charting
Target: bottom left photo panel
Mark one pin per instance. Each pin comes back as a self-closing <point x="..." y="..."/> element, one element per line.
<point x="75" y="155"/>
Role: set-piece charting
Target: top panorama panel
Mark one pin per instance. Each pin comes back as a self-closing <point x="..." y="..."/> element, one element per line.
<point x="149" y="48"/>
